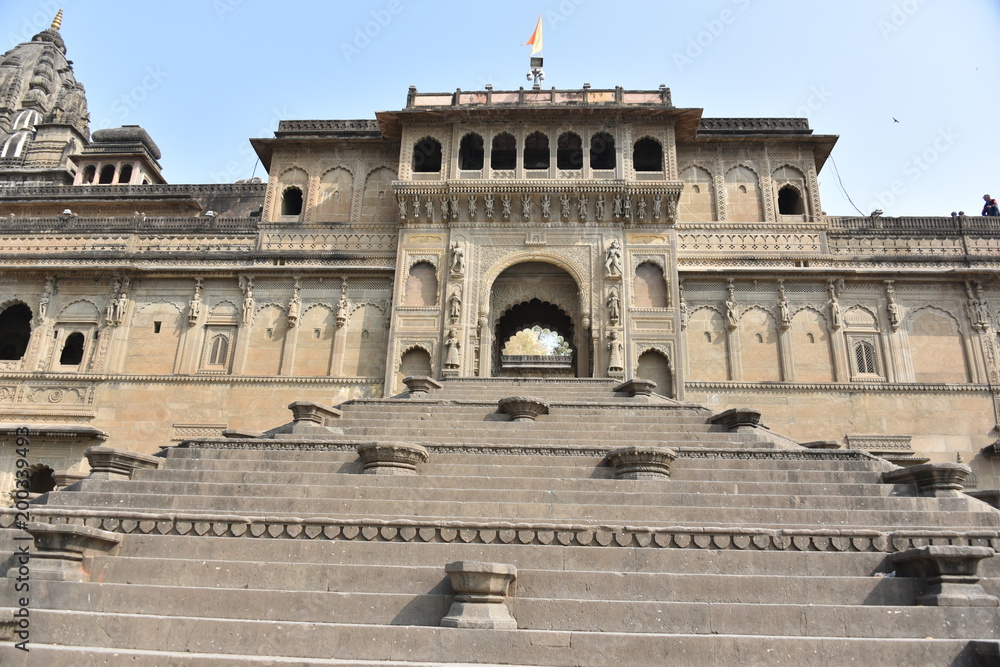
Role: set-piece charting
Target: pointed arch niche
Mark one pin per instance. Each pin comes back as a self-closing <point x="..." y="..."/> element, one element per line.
<point x="936" y="346"/>
<point x="707" y="351"/>
<point x="812" y="354"/>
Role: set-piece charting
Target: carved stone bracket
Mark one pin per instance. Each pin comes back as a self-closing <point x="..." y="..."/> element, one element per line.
<point x="949" y="574"/>
<point x="60" y="550"/>
<point x="480" y="592"/>
<point x="636" y="387"/>
<point x="641" y="462"/>
<point x="933" y="480"/>
<point x="112" y="463"/>
<point x="391" y="458"/>
<point x="420" y="386"/>
<point x="313" y="413"/>
<point x="522" y="408"/>
<point x="737" y="418"/>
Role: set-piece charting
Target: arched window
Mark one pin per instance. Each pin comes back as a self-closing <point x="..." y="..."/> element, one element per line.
<point x="125" y="174"/>
<point x="647" y="155"/>
<point x="536" y="151"/>
<point x="15" y="330"/>
<point x="864" y="358"/>
<point x="427" y="156"/>
<point x="219" y="353"/>
<point x="41" y="480"/>
<point x="569" y="151"/>
<point x="89" y="174"/>
<point x="504" y="152"/>
<point x="790" y="201"/>
<point x="291" y="201"/>
<point x="471" y="153"/>
<point x="107" y="175"/>
<point x="602" y="151"/>
<point x="72" y="352"/>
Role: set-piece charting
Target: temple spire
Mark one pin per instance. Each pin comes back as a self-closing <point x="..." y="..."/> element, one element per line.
<point x="57" y="21"/>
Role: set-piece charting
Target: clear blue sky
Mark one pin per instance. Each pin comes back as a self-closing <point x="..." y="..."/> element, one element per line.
<point x="203" y="77"/>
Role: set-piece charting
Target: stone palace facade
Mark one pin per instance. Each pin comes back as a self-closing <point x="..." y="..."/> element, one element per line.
<point x="653" y="242"/>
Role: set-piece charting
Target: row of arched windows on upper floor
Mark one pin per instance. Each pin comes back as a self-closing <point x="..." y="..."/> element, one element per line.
<point x="109" y="175"/>
<point x="536" y="153"/>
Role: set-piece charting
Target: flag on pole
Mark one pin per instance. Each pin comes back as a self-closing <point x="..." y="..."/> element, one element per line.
<point x="535" y="41"/>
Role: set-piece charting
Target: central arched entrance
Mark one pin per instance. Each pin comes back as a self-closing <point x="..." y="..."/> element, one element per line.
<point x="534" y="321"/>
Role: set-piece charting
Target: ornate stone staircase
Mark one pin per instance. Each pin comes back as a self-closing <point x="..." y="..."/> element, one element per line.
<point x="278" y="549"/>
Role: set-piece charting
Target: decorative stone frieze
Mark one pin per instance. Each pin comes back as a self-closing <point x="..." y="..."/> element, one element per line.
<point x="391" y="458"/>
<point x="949" y="573"/>
<point x="420" y="386"/>
<point x="636" y="387"/>
<point x="310" y="412"/>
<point x="60" y="550"/>
<point x="641" y="462"/>
<point x="112" y="463"/>
<point x="481" y="589"/>
<point x="932" y="480"/>
<point x="736" y="418"/>
<point x="523" y="408"/>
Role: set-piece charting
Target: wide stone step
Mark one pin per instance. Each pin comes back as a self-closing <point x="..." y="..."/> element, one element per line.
<point x="427" y="644"/>
<point x="698" y="485"/>
<point x="502" y="509"/>
<point x="584" y="585"/>
<point x="657" y="493"/>
<point x="709" y="651"/>
<point x="531" y="613"/>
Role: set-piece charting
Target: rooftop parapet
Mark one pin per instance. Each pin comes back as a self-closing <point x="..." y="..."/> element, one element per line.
<point x="535" y="97"/>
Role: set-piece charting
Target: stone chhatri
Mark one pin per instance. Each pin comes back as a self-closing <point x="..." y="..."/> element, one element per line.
<point x="481" y="589"/>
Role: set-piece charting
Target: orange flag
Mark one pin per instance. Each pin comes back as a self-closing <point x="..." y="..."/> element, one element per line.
<point x="535" y="41"/>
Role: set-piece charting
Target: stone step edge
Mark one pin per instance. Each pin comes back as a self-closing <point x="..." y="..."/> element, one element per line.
<point x="506" y="533"/>
<point x="729" y="453"/>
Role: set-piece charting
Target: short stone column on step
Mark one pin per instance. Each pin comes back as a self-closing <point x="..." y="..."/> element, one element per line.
<point x="481" y="590"/>
<point x="523" y="408"/>
<point x="64" y="478"/>
<point x="420" y="386"/>
<point x="933" y="480"/>
<point x="641" y="462"/>
<point x="949" y="573"/>
<point x="60" y="550"/>
<point x="740" y="420"/>
<point x="391" y="458"/>
<point x="636" y="388"/>
<point x="111" y="463"/>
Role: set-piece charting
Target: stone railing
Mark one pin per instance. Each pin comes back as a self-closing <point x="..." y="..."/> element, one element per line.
<point x="324" y="126"/>
<point x="129" y="224"/>
<point x="754" y="125"/>
<point x="952" y="225"/>
<point x="585" y="95"/>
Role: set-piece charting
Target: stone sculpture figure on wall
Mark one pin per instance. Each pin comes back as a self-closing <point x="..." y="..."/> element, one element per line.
<point x="657" y="207"/>
<point x="892" y="307"/>
<point x="581" y="207"/>
<point x="488" y="203"/>
<point x="402" y="209"/>
<point x="614" y="306"/>
<point x="627" y="208"/>
<point x="599" y="208"/>
<point x="452" y="357"/>
<point x="616" y="208"/>
<point x="671" y="210"/>
<point x="613" y="259"/>
<point x="731" y="318"/>
<point x="682" y="305"/>
<point x="640" y="209"/>
<point x="616" y="363"/>
<point x="526" y="207"/>
<point x="294" y="306"/>
<point x="118" y="304"/>
<point x="454" y="207"/>
<point x="783" y="311"/>
<point x="457" y="259"/>
<point x="429" y="209"/>
<point x="473" y="208"/>
<point x="43" y="301"/>
<point x="416" y="207"/>
<point x="564" y="207"/>
<point x="835" y="319"/>
<point x="342" y="308"/>
<point x="248" y="304"/>
<point x="194" y="305"/>
<point x="445" y="208"/>
<point x="455" y="304"/>
<point x="546" y="207"/>
<point x="505" y="200"/>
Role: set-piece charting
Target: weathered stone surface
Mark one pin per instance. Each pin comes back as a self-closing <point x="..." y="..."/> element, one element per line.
<point x="310" y="412"/>
<point x="949" y="574"/>
<point x="60" y="550"/>
<point x="641" y="462"/>
<point x="637" y="387"/>
<point x="735" y="419"/>
<point x="420" y="385"/>
<point x="523" y="408"/>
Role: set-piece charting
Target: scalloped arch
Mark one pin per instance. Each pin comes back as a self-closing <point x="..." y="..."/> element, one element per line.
<point x="933" y="308"/>
<point x="525" y="256"/>
<point x="95" y="317"/>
